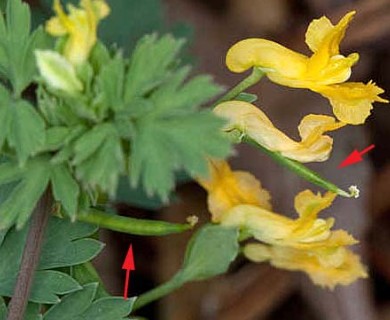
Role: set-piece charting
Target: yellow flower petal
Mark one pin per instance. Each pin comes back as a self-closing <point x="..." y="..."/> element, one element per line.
<point x="265" y="54"/>
<point x="308" y="204"/>
<point x="227" y="188"/>
<point x="316" y="32"/>
<point x="327" y="43"/>
<point x="80" y="25"/>
<point x="352" y="101"/>
<point x="55" y="27"/>
<point x="251" y="121"/>
<point x="337" y="267"/>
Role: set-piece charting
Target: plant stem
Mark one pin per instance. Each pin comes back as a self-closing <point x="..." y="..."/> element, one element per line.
<point x="131" y="225"/>
<point x="158" y="292"/>
<point x="299" y="169"/>
<point x="30" y="258"/>
<point x="249" y="81"/>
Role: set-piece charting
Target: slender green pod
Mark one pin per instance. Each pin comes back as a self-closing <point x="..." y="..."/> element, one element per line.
<point x="129" y="225"/>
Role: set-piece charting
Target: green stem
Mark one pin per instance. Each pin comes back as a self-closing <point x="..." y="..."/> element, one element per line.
<point x="158" y="292"/>
<point x="300" y="169"/>
<point x="131" y="225"/>
<point x="249" y="81"/>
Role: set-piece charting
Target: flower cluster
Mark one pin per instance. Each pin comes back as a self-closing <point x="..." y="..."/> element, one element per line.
<point x="307" y="243"/>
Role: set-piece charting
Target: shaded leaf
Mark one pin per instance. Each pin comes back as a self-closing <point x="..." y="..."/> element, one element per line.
<point x="65" y="189"/>
<point x="149" y="64"/>
<point x="86" y="273"/>
<point x="72" y="305"/>
<point x="65" y="244"/>
<point x="27" y="131"/>
<point x="210" y="252"/>
<point x="3" y="309"/>
<point x="109" y="308"/>
<point x="18" y="206"/>
<point x="48" y="284"/>
<point x="33" y="312"/>
<point x="164" y="146"/>
<point x="99" y="158"/>
<point x="111" y="82"/>
<point x="17" y="61"/>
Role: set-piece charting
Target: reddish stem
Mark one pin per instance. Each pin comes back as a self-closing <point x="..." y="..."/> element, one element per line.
<point x="30" y="258"/>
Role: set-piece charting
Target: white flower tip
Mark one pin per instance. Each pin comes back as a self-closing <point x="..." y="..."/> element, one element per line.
<point x="354" y="192"/>
<point x="192" y="220"/>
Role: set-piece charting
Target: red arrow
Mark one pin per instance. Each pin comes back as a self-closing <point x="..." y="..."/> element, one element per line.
<point x="355" y="157"/>
<point x="128" y="265"/>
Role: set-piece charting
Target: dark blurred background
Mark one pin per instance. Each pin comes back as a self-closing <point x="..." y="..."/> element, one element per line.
<point x="255" y="291"/>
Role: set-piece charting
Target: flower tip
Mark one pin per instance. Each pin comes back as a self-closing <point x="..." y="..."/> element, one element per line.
<point x="192" y="220"/>
<point x="350" y="15"/>
<point x="354" y="192"/>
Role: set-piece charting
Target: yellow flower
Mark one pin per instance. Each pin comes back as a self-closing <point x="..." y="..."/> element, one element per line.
<point x="251" y="121"/>
<point x="80" y="26"/>
<point x="307" y="231"/>
<point x="236" y="198"/>
<point x="320" y="72"/>
<point x="336" y="266"/>
<point x="227" y="188"/>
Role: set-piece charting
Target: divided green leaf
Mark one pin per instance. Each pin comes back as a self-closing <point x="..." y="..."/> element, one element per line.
<point x="86" y="273"/>
<point x="169" y="132"/>
<point x="29" y="183"/>
<point x="65" y="189"/>
<point x="99" y="157"/>
<point x="80" y="305"/>
<point x="27" y="130"/>
<point x="150" y="64"/>
<point x="22" y="126"/>
<point x="21" y="188"/>
<point x="65" y="244"/>
<point x="17" y="61"/>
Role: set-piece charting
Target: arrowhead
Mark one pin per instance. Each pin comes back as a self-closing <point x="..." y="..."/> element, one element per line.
<point x="353" y="158"/>
<point x="128" y="264"/>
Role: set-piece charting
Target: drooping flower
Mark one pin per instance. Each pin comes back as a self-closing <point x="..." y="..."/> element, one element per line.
<point x="323" y="72"/>
<point x="227" y="188"/>
<point x="80" y="26"/>
<point x="326" y="267"/>
<point x="307" y="231"/>
<point x="306" y="243"/>
<point x="251" y="121"/>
